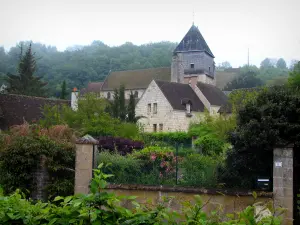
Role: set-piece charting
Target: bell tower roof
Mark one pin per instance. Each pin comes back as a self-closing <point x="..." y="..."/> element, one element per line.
<point x="193" y="41"/>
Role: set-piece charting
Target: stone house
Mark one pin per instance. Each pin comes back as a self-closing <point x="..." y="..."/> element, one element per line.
<point x="171" y="98"/>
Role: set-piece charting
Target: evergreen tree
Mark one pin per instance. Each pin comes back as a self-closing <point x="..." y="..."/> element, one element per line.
<point x="115" y="105"/>
<point x="25" y="82"/>
<point x="122" y="107"/>
<point x="63" y="94"/>
<point x="131" y="109"/>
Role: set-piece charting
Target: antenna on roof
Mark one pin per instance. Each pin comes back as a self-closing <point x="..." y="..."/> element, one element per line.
<point x="193" y="17"/>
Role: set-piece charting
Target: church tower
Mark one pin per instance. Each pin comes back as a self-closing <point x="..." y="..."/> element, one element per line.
<point x="192" y="59"/>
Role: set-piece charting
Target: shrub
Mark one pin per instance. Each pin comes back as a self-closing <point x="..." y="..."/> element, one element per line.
<point x="167" y="138"/>
<point x="24" y="150"/>
<point x="122" y="145"/>
<point x="210" y="145"/>
<point x="126" y="169"/>
<point x="199" y="170"/>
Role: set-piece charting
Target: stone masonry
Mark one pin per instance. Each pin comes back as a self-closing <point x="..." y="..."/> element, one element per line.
<point x="83" y="168"/>
<point x="283" y="181"/>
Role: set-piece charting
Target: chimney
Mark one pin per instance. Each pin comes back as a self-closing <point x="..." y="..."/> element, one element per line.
<point x="191" y="80"/>
<point x="74" y="99"/>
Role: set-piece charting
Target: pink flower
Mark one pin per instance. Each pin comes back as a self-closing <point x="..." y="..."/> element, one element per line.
<point x="160" y="175"/>
<point x="152" y="157"/>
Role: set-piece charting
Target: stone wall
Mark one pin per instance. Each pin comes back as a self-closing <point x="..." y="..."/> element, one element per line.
<point x="283" y="181"/>
<point x="104" y="94"/>
<point x="172" y="120"/>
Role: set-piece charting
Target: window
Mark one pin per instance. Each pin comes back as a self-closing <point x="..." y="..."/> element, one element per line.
<point x="149" y="108"/>
<point x="192" y="65"/>
<point x="136" y="94"/>
<point x="155" y="108"/>
<point x="188" y="108"/>
<point x="108" y="95"/>
<point x="161" y="127"/>
<point x="154" y="127"/>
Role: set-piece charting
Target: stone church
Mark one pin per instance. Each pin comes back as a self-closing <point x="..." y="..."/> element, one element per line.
<point x="169" y="99"/>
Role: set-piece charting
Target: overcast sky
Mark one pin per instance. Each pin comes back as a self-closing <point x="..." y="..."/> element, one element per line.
<point x="270" y="28"/>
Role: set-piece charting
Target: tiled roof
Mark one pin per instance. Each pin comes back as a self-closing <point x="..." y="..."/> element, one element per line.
<point x="15" y="109"/>
<point x="136" y="79"/>
<point x="193" y="41"/>
<point x="93" y="87"/>
<point x="179" y="94"/>
<point x="213" y="94"/>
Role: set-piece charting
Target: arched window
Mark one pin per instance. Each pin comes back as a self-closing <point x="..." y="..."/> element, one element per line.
<point x="136" y="94"/>
<point x="108" y="95"/>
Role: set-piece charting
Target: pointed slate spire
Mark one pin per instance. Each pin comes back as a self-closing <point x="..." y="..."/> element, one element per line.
<point x="193" y="41"/>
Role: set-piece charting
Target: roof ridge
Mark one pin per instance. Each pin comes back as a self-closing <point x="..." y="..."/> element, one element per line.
<point x="35" y="97"/>
<point x="165" y="67"/>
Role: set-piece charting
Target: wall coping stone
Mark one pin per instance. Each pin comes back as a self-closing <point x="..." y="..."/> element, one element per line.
<point x="189" y="190"/>
<point x="87" y="139"/>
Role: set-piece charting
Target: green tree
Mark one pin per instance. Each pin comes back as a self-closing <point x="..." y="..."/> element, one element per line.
<point x="224" y="65"/>
<point x="63" y="94"/>
<point x="244" y="80"/>
<point x="294" y="76"/>
<point x="131" y="109"/>
<point x="25" y="82"/>
<point x="281" y="64"/>
<point x="266" y="63"/>
<point x="271" y="120"/>
<point x="122" y="106"/>
<point x="115" y="107"/>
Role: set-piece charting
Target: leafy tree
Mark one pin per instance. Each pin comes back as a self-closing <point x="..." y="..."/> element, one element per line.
<point x="244" y="80"/>
<point x="293" y="63"/>
<point x="271" y="120"/>
<point x="63" y="94"/>
<point x="225" y="65"/>
<point x="266" y="63"/>
<point x="131" y="109"/>
<point x="294" y="77"/>
<point x="281" y="64"/>
<point x="25" y="82"/>
<point x="115" y="107"/>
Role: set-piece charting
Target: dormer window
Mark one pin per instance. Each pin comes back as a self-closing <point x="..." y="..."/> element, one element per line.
<point x="192" y="65"/>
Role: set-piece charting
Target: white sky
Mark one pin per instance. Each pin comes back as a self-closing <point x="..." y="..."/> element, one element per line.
<point x="270" y="28"/>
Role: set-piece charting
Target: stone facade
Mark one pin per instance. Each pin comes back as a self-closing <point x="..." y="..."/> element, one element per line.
<point x="165" y="117"/>
<point x="283" y="181"/>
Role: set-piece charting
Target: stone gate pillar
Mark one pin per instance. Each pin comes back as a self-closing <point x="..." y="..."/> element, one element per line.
<point x="283" y="181"/>
<point x="84" y="164"/>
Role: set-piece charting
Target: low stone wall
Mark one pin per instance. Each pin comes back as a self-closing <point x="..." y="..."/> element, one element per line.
<point x="229" y="200"/>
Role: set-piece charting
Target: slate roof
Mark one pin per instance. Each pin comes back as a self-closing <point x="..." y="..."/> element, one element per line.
<point x="136" y="79"/>
<point x="17" y="108"/>
<point x="213" y="94"/>
<point x="92" y="87"/>
<point x="178" y="94"/>
<point x="193" y="41"/>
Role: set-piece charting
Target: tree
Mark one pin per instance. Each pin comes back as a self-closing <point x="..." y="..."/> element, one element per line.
<point x="244" y="80"/>
<point x="25" y="82"/>
<point x="294" y="76"/>
<point x="225" y="65"/>
<point x="266" y="63"/>
<point x="281" y="64"/>
<point x="273" y="119"/>
<point x="293" y="63"/>
<point x="63" y="93"/>
<point x="115" y="107"/>
<point x="122" y="107"/>
<point x="131" y="109"/>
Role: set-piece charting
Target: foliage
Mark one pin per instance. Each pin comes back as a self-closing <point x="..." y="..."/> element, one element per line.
<point x="281" y="64"/>
<point x="224" y="65"/>
<point x="21" y="153"/>
<point x="121" y="145"/>
<point x="169" y="138"/>
<point x="271" y="120"/>
<point x="63" y="94"/>
<point x="89" y="63"/>
<point x="294" y="76"/>
<point x="25" y="83"/>
<point x="90" y="118"/>
<point x="210" y="145"/>
<point x="101" y="207"/>
<point x="248" y="79"/>
<point x="199" y="170"/>
<point x="131" y="118"/>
